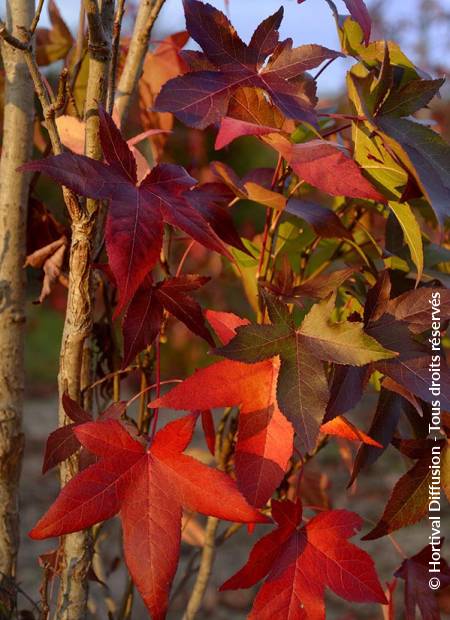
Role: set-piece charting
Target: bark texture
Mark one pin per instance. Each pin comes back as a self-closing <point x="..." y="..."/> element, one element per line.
<point x="16" y="150"/>
<point x="146" y="17"/>
<point x="76" y="548"/>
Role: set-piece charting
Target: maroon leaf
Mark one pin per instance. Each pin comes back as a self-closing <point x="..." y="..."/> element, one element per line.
<point x="291" y="62"/>
<point x="202" y="97"/>
<point x="414" y="307"/>
<point x="134" y="226"/>
<point x="324" y="221"/>
<point x="408" y="502"/>
<point x="346" y="389"/>
<point x="415" y="571"/>
<point x="382" y="429"/>
<point x="61" y="444"/>
<point x="212" y="200"/>
<point x="142" y="320"/>
<point x="75" y="412"/>
<point x="411" y="368"/>
<point x="172" y="295"/>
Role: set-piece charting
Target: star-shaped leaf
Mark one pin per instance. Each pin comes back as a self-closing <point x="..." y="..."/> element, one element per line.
<point x="202" y="97"/>
<point x="265" y="437"/>
<point x="299" y="563"/>
<point x="137" y="211"/>
<point x="302" y="389"/>
<point x="144" y="315"/>
<point x="149" y="485"/>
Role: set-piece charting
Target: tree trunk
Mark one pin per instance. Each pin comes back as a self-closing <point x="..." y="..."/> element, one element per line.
<point x="16" y="149"/>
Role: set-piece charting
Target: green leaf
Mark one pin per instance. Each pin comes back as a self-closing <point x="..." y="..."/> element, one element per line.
<point x="411" y="233"/>
<point x="369" y="149"/>
<point x="341" y="343"/>
<point x="254" y="343"/>
<point x="426" y="155"/>
<point x="410" y="97"/>
<point x="302" y="387"/>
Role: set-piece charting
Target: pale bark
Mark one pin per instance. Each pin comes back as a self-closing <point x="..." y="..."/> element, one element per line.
<point x="16" y="150"/>
<point x="76" y="557"/>
<point x="146" y="17"/>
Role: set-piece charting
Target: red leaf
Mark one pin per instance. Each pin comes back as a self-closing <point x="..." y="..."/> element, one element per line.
<point x="225" y="324"/>
<point x="209" y="430"/>
<point x="202" y="97"/>
<point x="325" y="166"/>
<point x="360" y="14"/>
<point x="148" y="486"/>
<point x="232" y="128"/>
<point x="264" y="444"/>
<point x="265" y="438"/>
<point x="341" y="427"/>
<point x="301" y="563"/>
<point x="134" y="226"/>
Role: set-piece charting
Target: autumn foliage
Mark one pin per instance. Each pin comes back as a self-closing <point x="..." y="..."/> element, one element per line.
<point x="334" y="290"/>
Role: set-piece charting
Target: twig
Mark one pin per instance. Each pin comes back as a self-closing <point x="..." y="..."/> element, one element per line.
<point x="70" y="198"/>
<point x="18" y="589"/>
<point x="222" y="452"/>
<point x="325" y="66"/>
<point x="146" y="17"/>
<point x="36" y="18"/>
<point x="205" y="569"/>
<point x="117" y="27"/>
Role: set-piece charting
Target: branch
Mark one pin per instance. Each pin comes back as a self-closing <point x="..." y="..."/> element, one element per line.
<point x="98" y="45"/>
<point x="11" y="39"/>
<point x="205" y="569"/>
<point x="223" y="449"/>
<point x="36" y="18"/>
<point x="146" y="17"/>
<point x="75" y="359"/>
<point x="117" y="27"/>
<point x="48" y="109"/>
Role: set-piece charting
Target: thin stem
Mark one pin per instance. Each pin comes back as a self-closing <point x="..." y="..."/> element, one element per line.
<point x="222" y="452"/>
<point x="184" y="257"/>
<point x="269" y="212"/>
<point x="36" y="18"/>
<point x="158" y="384"/>
<point x="117" y="27"/>
<point x="152" y="387"/>
<point x="337" y="130"/>
<point x="326" y="65"/>
<point x="205" y="569"/>
<point x="146" y="17"/>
